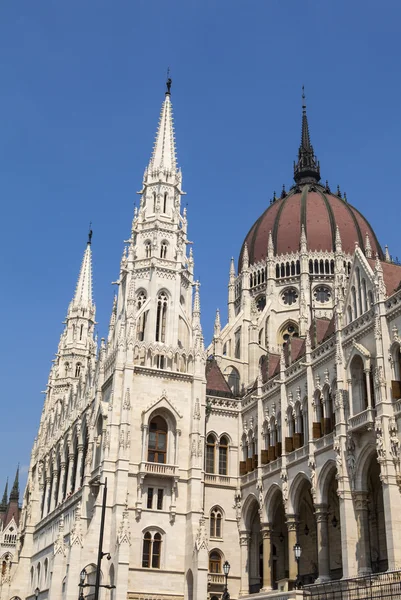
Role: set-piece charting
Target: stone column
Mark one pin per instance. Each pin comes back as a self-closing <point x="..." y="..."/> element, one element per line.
<point x="69" y="474"/>
<point x="60" y="497"/>
<point x="323" y="552"/>
<point x="368" y="390"/>
<point x="144" y="442"/>
<point x="53" y="499"/>
<point x="244" y="538"/>
<point x="267" y="566"/>
<point x="47" y="507"/>
<point x="292" y="525"/>
<point x="80" y="466"/>
<point x="362" y="517"/>
<point x="350" y="404"/>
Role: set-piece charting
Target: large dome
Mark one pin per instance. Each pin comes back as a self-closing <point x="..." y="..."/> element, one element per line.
<point x="313" y="206"/>
<point x="320" y="212"/>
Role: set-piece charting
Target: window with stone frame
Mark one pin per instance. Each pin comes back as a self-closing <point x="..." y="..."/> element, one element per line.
<point x="151" y="550"/>
<point x="210" y="453"/>
<point x="157" y="442"/>
<point x="216" y="518"/>
<point x="223" y="455"/>
<point x="214" y="562"/>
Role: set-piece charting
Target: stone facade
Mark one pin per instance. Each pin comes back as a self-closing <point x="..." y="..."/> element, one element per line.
<point x="285" y="430"/>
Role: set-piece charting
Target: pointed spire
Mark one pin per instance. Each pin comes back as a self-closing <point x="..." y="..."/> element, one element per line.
<point x="217" y="324"/>
<point x="368" y="247"/>
<point x="307" y="168"/>
<point x="338" y="240"/>
<point x="14" y="494"/>
<point x="270" y="246"/>
<point x="232" y="270"/>
<point x="196" y="308"/>
<point x="113" y="317"/>
<point x="303" y="241"/>
<point x="4" y="500"/>
<point x="83" y="291"/>
<point x="387" y="256"/>
<point x="245" y="258"/>
<point x="164" y="153"/>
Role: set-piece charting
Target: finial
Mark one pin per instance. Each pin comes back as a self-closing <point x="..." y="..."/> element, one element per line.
<point x="306" y="168"/>
<point x="368" y="247"/>
<point x="283" y="192"/>
<point x="303" y="100"/>
<point x="90" y="233"/>
<point x="338" y="240"/>
<point x="327" y="187"/>
<point x="274" y="196"/>
<point x="387" y="254"/>
<point x="345" y="197"/>
<point x="168" y="82"/>
<point x="338" y="191"/>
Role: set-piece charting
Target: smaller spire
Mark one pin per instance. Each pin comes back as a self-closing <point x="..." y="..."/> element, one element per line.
<point x="283" y="192"/>
<point x="338" y="240"/>
<point x="83" y="290"/>
<point x="90" y="233"/>
<point x="232" y="270"/>
<point x="378" y="265"/>
<point x="217" y="324"/>
<point x="368" y="247"/>
<point x="303" y="241"/>
<point x="338" y="191"/>
<point x="245" y="258"/>
<point x="196" y="311"/>
<point x="270" y="245"/>
<point x="113" y="317"/>
<point x="4" y="501"/>
<point x="387" y="256"/>
<point x="14" y="494"/>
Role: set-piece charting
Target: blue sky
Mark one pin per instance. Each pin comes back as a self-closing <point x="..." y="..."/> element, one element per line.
<point x="82" y="84"/>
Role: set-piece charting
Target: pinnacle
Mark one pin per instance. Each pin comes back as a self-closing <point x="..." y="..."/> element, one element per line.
<point x="4" y="501"/>
<point x="164" y="152"/>
<point x="83" y="291"/>
<point x="307" y="168"/>
<point x="14" y="494"/>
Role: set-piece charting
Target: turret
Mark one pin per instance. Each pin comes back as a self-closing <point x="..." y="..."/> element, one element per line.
<point x="231" y="291"/>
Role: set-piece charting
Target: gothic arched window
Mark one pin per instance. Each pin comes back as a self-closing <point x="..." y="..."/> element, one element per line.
<point x="78" y="370"/>
<point x="214" y="562"/>
<point x="151" y="552"/>
<point x="165" y="202"/>
<point x="141" y="323"/>
<point x="223" y="455"/>
<point x="148" y="249"/>
<point x="161" y="315"/>
<point x="163" y="250"/>
<point x="215" y="523"/>
<point x="157" y="443"/>
<point x="210" y="453"/>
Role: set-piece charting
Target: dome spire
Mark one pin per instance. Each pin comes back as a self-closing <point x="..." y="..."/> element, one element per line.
<point x="307" y="168"/>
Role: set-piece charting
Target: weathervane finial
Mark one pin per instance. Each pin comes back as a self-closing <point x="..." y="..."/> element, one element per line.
<point x="90" y="233"/>
<point x="168" y="82"/>
<point x="303" y="99"/>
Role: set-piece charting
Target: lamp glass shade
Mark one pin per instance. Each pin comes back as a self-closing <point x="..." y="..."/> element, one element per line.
<point x="37" y="592"/>
<point x="82" y="576"/>
<point x="297" y="551"/>
<point x="226" y="567"/>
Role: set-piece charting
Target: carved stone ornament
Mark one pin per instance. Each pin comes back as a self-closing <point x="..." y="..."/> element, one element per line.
<point x="76" y="536"/>
<point x="312" y="472"/>
<point x="394" y="442"/>
<point x="284" y="488"/>
<point x="201" y="536"/>
<point x="350" y="458"/>
<point x="59" y="545"/>
<point x="124" y="531"/>
<point x="237" y="505"/>
<point x="339" y="460"/>
<point x="380" y="449"/>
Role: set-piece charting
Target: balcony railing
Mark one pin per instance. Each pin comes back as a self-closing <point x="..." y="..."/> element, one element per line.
<point x="375" y="586"/>
<point x="217" y="479"/>
<point x="215" y="579"/>
<point x="363" y="420"/>
<point x="298" y="454"/>
<point x="159" y="469"/>
<point x="324" y="442"/>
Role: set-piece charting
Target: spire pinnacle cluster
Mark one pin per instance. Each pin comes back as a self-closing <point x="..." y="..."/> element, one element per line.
<point x="307" y="168"/>
<point x="164" y="152"/>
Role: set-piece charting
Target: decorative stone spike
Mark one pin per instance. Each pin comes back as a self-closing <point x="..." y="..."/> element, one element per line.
<point x="217" y="324"/>
<point x="387" y="254"/>
<point x="338" y="240"/>
<point x="270" y="246"/>
<point x="232" y="270"/>
<point x="245" y="258"/>
<point x="303" y="241"/>
<point x="368" y="247"/>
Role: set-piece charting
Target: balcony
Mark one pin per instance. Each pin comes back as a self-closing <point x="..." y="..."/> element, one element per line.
<point x="297" y="455"/>
<point x="363" y="421"/>
<point x="220" y="480"/>
<point x="324" y="442"/>
<point x="159" y="469"/>
<point x="215" y="579"/>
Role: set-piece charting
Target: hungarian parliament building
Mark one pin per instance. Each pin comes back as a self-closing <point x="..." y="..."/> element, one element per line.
<point x="274" y="452"/>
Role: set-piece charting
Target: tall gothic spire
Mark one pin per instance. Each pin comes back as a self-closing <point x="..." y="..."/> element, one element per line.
<point x="14" y="494"/>
<point x="4" y="501"/>
<point x="307" y="168"/>
<point x="83" y="291"/>
<point x="164" y="153"/>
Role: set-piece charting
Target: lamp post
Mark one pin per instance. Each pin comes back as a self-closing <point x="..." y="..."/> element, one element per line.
<point x="37" y="592"/>
<point x="226" y="570"/>
<point x="82" y="577"/>
<point x="297" y="554"/>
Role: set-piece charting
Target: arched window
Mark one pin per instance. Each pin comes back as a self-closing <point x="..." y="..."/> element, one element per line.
<point x="152" y="543"/>
<point x="66" y="369"/>
<point x="78" y="370"/>
<point x="210" y="453"/>
<point x="237" y="343"/>
<point x="214" y="562"/>
<point x="354" y="304"/>
<point x="364" y="296"/>
<point x="233" y="380"/>
<point x="38" y="575"/>
<point x="349" y="311"/>
<point x="215" y="523"/>
<point x="154" y="201"/>
<point x="99" y="441"/>
<point x="81" y="330"/>
<point x="157" y="444"/>
<point x="161" y="316"/>
<point x="370" y="296"/>
<point x="163" y="250"/>
<point x="165" y="202"/>
<point x="148" y="249"/>
<point x="359" y="388"/>
<point x="223" y="455"/>
<point x="288" y="330"/>
<point x="141" y="323"/>
<point x="46" y="569"/>
<point x="289" y="296"/>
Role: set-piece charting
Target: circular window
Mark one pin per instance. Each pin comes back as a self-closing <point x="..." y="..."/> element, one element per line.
<point x="289" y="331"/>
<point x="290" y="296"/>
<point x="260" y="303"/>
<point x="322" y="294"/>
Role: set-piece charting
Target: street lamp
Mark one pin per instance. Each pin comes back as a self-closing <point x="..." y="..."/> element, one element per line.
<point x="226" y="570"/>
<point x="37" y="592"/>
<point x="81" y="585"/>
<point x="297" y="554"/>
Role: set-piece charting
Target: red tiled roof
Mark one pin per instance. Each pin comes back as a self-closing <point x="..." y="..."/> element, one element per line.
<point x="391" y="275"/>
<point x="216" y="384"/>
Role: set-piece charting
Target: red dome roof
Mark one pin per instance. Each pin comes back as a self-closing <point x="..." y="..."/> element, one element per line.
<point x="320" y="212"/>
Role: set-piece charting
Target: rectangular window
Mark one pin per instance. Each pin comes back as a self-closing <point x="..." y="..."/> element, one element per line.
<point x="150" y="498"/>
<point x="156" y="554"/>
<point x="222" y="460"/>
<point x="146" y="553"/>
<point x="159" y="499"/>
<point x="209" y="459"/>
